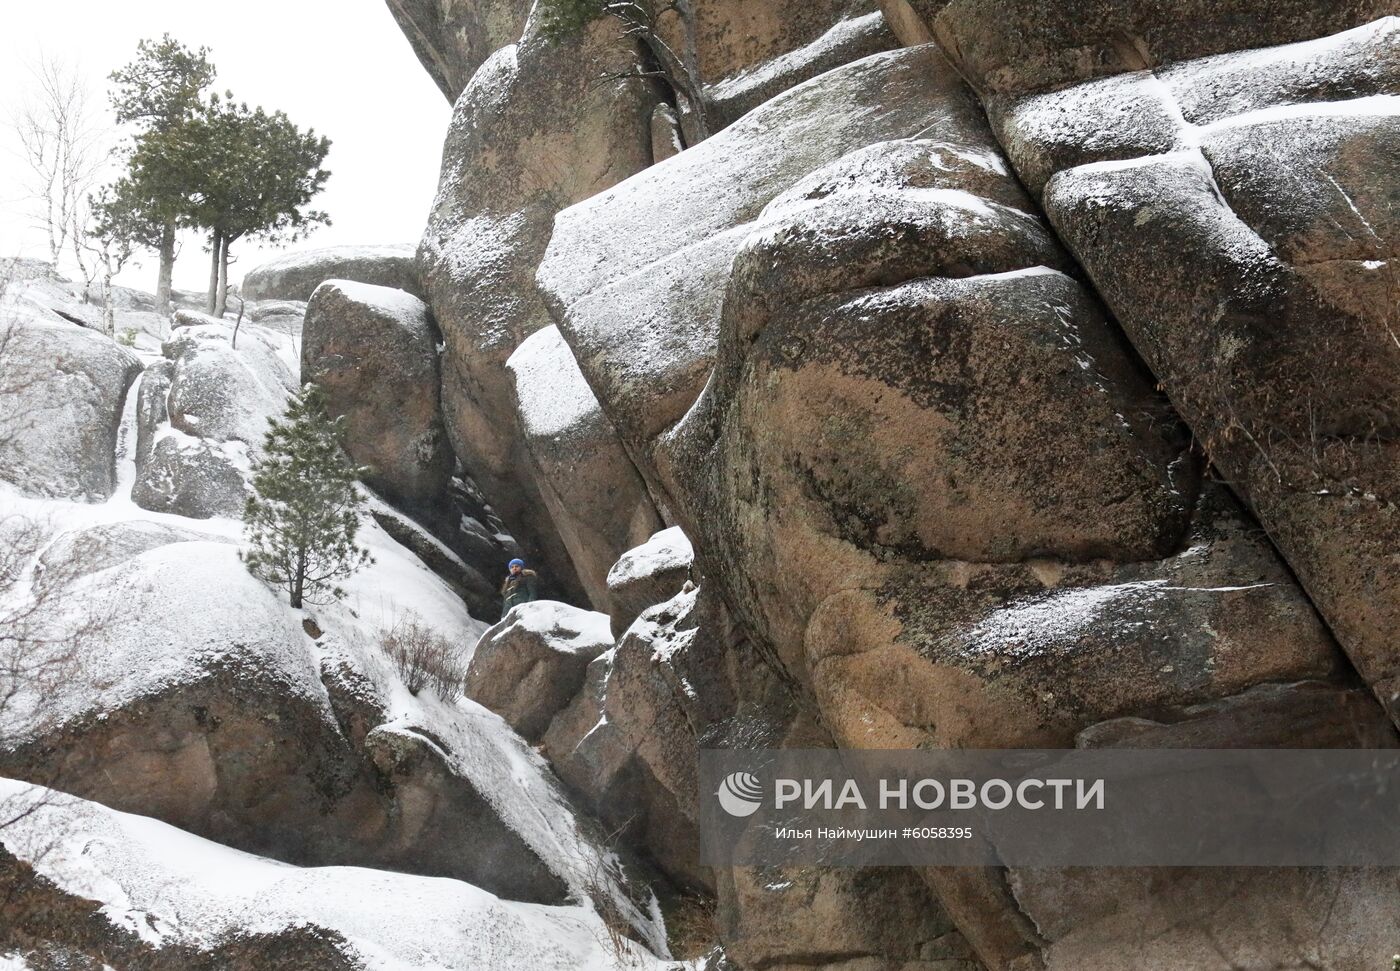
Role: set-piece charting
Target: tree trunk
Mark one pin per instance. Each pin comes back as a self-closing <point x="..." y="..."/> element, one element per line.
<point x="690" y="99"/>
<point x="221" y="304"/>
<point x="167" y="268"/>
<point x="298" y="580"/>
<point x="216" y="242"/>
<point x="109" y="313"/>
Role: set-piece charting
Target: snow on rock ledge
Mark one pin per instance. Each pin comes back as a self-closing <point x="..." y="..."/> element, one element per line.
<point x="297" y="275"/>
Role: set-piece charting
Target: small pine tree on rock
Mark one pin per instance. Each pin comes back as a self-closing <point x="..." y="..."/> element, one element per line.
<point x="301" y="522"/>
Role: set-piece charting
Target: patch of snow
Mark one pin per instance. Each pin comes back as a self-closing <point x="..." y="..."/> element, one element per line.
<point x="1056" y="620"/>
<point x="1383" y="105"/>
<point x="402" y="307"/>
<point x="572" y="630"/>
<point x="551" y="393"/>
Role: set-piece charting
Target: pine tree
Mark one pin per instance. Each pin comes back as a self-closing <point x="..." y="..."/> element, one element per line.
<point x="260" y="174"/>
<point x="159" y="94"/>
<point x="302" y="521"/>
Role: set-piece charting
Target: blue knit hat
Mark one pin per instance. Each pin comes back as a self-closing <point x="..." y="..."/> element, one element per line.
<point x="517" y="562"/>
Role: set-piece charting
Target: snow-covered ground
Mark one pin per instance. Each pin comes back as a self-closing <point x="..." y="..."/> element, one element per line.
<point x="169" y="887"/>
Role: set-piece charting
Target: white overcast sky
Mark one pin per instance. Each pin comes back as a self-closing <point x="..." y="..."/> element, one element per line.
<point x="340" y="66"/>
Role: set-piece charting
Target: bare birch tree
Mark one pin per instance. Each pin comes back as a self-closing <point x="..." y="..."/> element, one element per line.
<point x="60" y="136"/>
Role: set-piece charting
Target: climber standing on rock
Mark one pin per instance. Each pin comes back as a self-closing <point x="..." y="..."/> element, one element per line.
<point x="519" y="587"/>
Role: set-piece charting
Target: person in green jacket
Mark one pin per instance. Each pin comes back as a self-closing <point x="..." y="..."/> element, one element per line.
<point x="519" y="587"/>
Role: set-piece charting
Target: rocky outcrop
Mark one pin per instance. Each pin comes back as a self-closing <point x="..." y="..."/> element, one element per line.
<point x="202" y="701"/>
<point x="532" y="133"/>
<point x="531" y="665"/>
<point x="627" y="745"/>
<point x="646" y="575"/>
<point x="373" y="350"/>
<point x="852" y="372"/>
<point x="683" y="677"/>
<point x="598" y="503"/>
<point x="201" y="415"/>
<point x="297" y="275"/>
<point x="62" y="390"/>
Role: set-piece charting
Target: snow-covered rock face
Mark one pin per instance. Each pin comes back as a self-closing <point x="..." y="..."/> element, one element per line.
<point x="143" y="894"/>
<point x="296" y="276"/>
<point x="531" y="665"/>
<point x="203" y="700"/>
<point x="636" y="275"/>
<point x="533" y="132"/>
<point x="1238" y="214"/>
<point x="62" y="388"/>
<point x="627" y="746"/>
<point x="914" y="452"/>
<point x="373" y="350"/>
<point x="594" y="494"/>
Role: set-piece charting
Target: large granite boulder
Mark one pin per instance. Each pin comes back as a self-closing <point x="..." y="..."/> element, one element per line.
<point x="635" y="276"/>
<point x="373" y="350"/>
<point x="297" y="275"/>
<point x="224" y="387"/>
<point x="192" y="477"/>
<point x="532" y="664"/>
<point x="647" y="575"/>
<point x="62" y="390"/>
<point x="202" y="412"/>
<point x="596" y="498"/>
<point x="1234" y="211"/>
